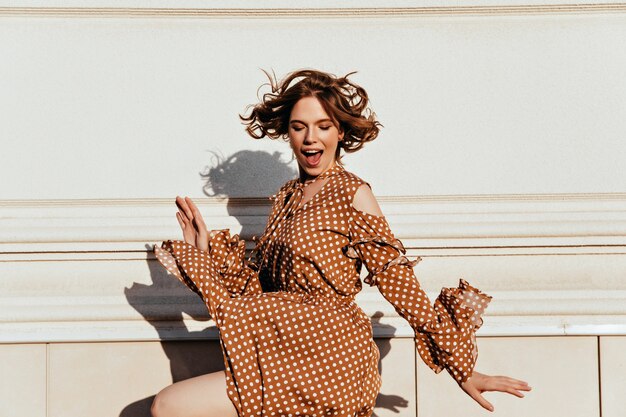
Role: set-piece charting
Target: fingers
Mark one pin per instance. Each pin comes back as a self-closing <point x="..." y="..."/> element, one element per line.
<point x="197" y="216"/>
<point x="198" y="223"/>
<point x="484" y="403"/>
<point x="473" y="392"/>
<point x="179" y="217"/>
<point x="479" y="383"/>
<point x="189" y="212"/>
<point x="518" y="382"/>
<point x="521" y="385"/>
<point x="202" y="239"/>
<point x="515" y="392"/>
<point x="515" y="386"/>
<point x="192" y="223"/>
<point x="509" y="385"/>
<point x="515" y="383"/>
<point x="473" y="388"/>
<point x="183" y="208"/>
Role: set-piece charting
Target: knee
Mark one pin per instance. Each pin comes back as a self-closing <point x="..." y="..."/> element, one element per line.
<point x="161" y="405"/>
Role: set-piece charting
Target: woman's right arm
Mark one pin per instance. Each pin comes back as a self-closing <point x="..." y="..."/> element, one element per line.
<point x="211" y="263"/>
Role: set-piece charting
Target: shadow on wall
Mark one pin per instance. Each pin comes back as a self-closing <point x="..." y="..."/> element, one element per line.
<point x="246" y="174"/>
<point x="187" y="358"/>
<point x="229" y="177"/>
<point x="386" y="401"/>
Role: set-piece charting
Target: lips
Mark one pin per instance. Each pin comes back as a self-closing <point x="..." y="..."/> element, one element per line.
<point x="313" y="156"/>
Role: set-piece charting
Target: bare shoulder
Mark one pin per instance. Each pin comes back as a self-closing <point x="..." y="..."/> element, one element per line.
<point x="365" y="200"/>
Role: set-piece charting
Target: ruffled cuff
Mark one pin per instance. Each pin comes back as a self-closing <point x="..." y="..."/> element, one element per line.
<point x="228" y="255"/>
<point x="387" y="252"/>
<point x="450" y="341"/>
<point x="168" y="255"/>
<point x="222" y="267"/>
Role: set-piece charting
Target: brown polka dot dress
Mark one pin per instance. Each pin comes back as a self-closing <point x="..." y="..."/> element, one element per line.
<point x="294" y="341"/>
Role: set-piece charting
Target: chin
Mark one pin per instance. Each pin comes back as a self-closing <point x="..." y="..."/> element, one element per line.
<point x="312" y="172"/>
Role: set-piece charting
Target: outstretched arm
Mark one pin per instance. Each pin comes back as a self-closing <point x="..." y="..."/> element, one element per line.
<point x="398" y="284"/>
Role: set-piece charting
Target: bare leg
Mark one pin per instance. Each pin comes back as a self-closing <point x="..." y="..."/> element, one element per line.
<point x="202" y="396"/>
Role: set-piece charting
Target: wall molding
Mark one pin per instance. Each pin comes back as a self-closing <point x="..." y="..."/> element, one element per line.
<point x="508" y="223"/>
<point x="298" y="9"/>
<point x="80" y="255"/>
<point x="42" y="318"/>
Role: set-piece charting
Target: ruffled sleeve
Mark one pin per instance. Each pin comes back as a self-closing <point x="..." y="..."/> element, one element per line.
<point x="444" y="332"/>
<point x="216" y="274"/>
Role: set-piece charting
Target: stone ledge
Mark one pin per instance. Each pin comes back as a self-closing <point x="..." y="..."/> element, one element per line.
<point x="181" y="316"/>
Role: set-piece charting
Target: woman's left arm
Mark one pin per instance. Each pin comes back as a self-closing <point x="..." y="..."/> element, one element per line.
<point x="444" y="333"/>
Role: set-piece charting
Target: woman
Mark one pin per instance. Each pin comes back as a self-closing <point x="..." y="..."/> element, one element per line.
<point x="294" y="341"/>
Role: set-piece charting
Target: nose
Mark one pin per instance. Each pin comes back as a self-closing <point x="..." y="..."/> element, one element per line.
<point x="310" y="136"/>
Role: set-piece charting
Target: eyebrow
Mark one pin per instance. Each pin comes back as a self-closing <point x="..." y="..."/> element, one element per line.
<point x="319" y="121"/>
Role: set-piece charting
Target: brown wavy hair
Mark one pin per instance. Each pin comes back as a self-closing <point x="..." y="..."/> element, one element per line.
<point x="345" y="102"/>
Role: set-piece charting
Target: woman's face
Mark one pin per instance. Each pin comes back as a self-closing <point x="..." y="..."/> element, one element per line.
<point x="313" y="137"/>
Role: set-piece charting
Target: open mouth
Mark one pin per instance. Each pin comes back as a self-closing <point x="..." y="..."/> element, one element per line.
<point x="313" y="157"/>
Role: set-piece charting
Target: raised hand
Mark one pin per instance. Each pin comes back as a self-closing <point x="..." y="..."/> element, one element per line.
<point x="192" y="224"/>
<point x="479" y="383"/>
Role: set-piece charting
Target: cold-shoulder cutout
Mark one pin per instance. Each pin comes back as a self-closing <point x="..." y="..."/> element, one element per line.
<point x="365" y="201"/>
<point x="366" y="215"/>
<point x="374" y="244"/>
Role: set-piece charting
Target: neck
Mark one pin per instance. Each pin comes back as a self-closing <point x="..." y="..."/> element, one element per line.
<point x="305" y="178"/>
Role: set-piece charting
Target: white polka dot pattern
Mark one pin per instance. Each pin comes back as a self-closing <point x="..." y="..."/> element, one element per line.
<point x="294" y="341"/>
<point x="445" y="333"/>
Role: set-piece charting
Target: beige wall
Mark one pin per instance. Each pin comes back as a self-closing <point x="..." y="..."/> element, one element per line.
<point x="134" y="104"/>
<point x="120" y="378"/>
<point x="500" y="162"/>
